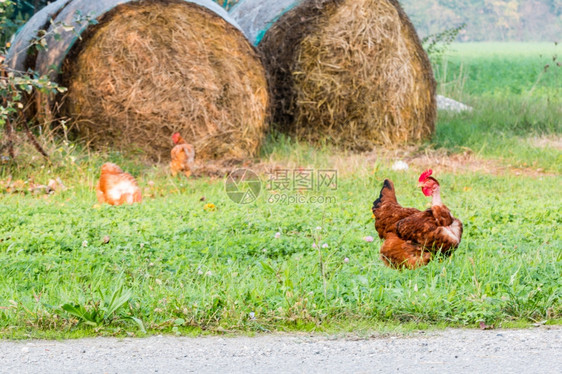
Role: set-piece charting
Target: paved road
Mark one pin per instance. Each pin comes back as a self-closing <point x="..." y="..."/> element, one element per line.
<point x="536" y="350"/>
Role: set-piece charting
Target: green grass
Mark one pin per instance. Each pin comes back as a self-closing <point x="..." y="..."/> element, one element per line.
<point x="503" y="131"/>
<point x="514" y="100"/>
<point x="173" y="266"/>
<point x="499" y="69"/>
<point x="189" y="269"/>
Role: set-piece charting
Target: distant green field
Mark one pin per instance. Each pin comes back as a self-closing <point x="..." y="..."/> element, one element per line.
<point x="501" y="69"/>
<point x="515" y="101"/>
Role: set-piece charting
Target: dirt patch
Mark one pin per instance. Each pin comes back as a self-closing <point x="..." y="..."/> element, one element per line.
<point x="467" y="162"/>
<point x="548" y="142"/>
<point x="416" y="158"/>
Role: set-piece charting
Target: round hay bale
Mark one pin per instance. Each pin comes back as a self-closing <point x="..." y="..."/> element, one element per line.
<point x="350" y="72"/>
<point x="150" y="68"/>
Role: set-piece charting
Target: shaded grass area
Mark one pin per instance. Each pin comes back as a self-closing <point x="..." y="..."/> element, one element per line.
<point x="497" y="129"/>
<point x="191" y="269"/>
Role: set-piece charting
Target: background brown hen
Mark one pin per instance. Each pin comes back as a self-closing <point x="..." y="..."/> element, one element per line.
<point x="183" y="156"/>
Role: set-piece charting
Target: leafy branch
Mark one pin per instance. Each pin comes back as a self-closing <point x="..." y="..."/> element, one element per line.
<point x="17" y="87"/>
<point x="437" y="44"/>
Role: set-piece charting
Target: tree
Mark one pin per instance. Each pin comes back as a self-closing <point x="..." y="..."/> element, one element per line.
<point x="486" y="20"/>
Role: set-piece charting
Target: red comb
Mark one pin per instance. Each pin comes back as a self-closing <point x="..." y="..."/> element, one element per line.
<point x="425" y="175"/>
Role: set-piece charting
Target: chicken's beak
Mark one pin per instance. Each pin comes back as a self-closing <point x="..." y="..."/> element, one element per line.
<point x="421" y="184"/>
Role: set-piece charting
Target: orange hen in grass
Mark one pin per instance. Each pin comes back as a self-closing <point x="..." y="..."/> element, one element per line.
<point x="116" y="187"/>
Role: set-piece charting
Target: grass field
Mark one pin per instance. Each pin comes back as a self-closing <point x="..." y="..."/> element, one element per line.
<point x="517" y="104"/>
<point x="498" y="69"/>
<point x="176" y="264"/>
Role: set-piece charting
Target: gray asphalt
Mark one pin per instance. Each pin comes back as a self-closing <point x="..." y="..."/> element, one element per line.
<point x="537" y="350"/>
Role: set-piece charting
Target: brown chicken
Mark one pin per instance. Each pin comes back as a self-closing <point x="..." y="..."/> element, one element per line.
<point x="183" y="156"/>
<point x="411" y="236"/>
<point x="116" y="187"/>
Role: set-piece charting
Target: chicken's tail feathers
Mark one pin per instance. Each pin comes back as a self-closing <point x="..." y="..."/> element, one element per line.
<point x="387" y="193"/>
